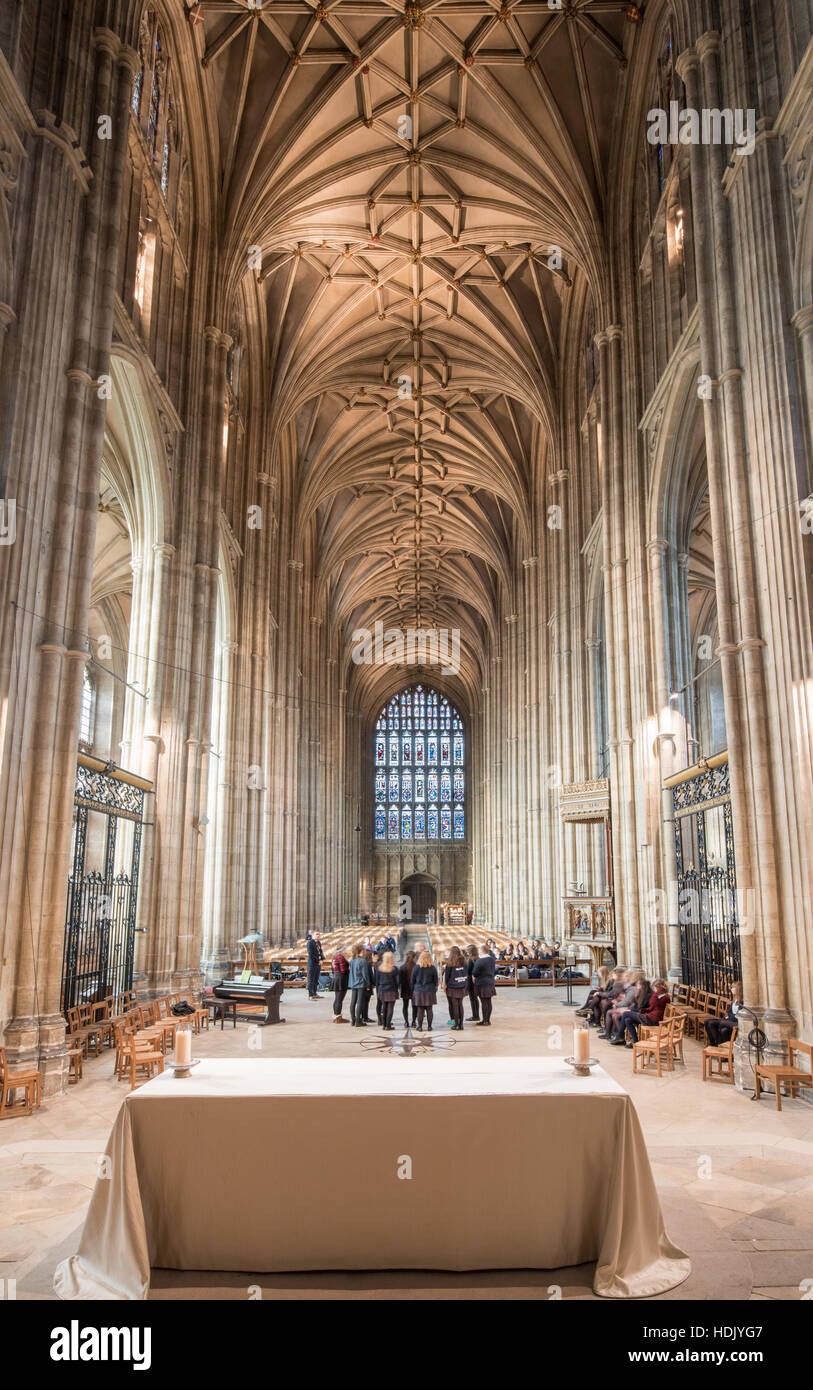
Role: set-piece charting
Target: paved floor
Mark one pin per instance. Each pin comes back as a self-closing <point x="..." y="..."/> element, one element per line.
<point x="735" y="1178"/>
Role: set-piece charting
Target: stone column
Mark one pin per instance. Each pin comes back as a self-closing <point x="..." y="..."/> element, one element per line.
<point x="47" y="747"/>
<point x="741" y="640"/>
<point x="670" y="930"/>
<point x="622" y="772"/>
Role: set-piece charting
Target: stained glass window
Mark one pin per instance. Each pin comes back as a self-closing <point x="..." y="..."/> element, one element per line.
<point x="155" y="112"/>
<point x="153" y="105"/>
<point x="419" y="757"/>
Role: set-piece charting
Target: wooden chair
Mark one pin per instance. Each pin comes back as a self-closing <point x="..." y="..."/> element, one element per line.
<point x="126" y="1001"/>
<point x="91" y="1029"/>
<point x="139" y="1056"/>
<point x="695" y="1009"/>
<point x="10" y="1081"/>
<point x="788" y="1075"/>
<point x="103" y="1020"/>
<point x="718" y="1061"/>
<point x="655" y="1045"/>
<point x="199" y="1018"/>
<point x="76" y="1033"/>
<point x="680" y="994"/>
<point x="75" y="1055"/>
<point x="167" y="1028"/>
<point x="678" y="1033"/>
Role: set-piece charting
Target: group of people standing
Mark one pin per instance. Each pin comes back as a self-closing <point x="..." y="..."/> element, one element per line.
<point x="415" y="982"/>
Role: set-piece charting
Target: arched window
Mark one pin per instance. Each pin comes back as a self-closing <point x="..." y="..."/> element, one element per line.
<point x="419" y="758"/>
<point x="667" y="88"/>
<point x="88" y="712"/>
<point x="154" y="107"/>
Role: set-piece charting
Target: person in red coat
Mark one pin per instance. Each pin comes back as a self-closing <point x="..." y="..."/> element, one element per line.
<point x="650" y="1015"/>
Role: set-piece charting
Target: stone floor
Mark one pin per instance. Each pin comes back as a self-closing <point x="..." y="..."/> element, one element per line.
<point x="735" y="1178"/>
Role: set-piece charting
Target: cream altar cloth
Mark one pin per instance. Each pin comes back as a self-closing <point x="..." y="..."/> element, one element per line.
<point x="281" y="1164"/>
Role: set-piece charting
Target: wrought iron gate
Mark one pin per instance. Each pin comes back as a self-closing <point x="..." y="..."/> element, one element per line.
<point x="707" y="879"/>
<point x="101" y="909"/>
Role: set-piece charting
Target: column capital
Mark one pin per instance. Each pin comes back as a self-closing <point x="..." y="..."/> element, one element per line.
<point x="802" y="320"/>
<point x="612" y="333"/>
<point x="686" y="62"/>
<point x="106" y="41"/>
<point x="216" y="335"/>
<point x="130" y="59"/>
<point x="708" y="45"/>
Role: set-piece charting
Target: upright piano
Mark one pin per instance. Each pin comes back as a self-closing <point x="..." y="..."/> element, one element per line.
<point x="257" y="990"/>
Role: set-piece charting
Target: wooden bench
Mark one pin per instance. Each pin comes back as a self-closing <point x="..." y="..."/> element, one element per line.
<point x="788" y="1075"/>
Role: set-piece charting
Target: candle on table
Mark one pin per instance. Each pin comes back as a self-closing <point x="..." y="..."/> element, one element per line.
<point x="183" y="1047"/>
<point x="581" y="1045"/>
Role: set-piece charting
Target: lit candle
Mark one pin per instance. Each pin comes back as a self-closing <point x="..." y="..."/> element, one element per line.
<point x="183" y="1047"/>
<point x="581" y="1045"/>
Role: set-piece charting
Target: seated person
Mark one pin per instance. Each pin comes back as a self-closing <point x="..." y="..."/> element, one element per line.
<point x="719" y="1030"/>
<point x="586" y="1011"/>
<point x="647" y="1013"/>
<point x="621" y="998"/>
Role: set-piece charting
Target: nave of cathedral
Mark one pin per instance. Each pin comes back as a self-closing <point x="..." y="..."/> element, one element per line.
<point x="406" y="526"/>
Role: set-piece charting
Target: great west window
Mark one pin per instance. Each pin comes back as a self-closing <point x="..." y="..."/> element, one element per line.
<point x="419" y="769"/>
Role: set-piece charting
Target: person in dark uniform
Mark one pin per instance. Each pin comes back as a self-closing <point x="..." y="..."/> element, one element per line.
<point x="471" y="953"/>
<point x="368" y="992"/>
<point x="341" y="975"/>
<point x="374" y="966"/>
<point x="403" y="938"/>
<point x="425" y="989"/>
<point x="483" y="974"/>
<point x="455" y="983"/>
<point x="315" y="957"/>
<point x="386" y="984"/>
<point x="405" y="983"/>
<point x="361" y="981"/>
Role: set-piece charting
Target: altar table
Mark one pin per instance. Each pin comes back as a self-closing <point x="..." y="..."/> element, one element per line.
<point x="376" y="1162"/>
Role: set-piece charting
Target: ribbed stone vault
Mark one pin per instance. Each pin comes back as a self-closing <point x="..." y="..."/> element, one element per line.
<point x="420" y="184"/>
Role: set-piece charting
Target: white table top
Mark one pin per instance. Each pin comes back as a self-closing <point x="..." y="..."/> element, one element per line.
<point x="378" y="1076"/>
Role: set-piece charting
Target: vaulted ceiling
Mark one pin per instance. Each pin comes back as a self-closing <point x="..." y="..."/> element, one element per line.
<point x="424" y="181"/>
